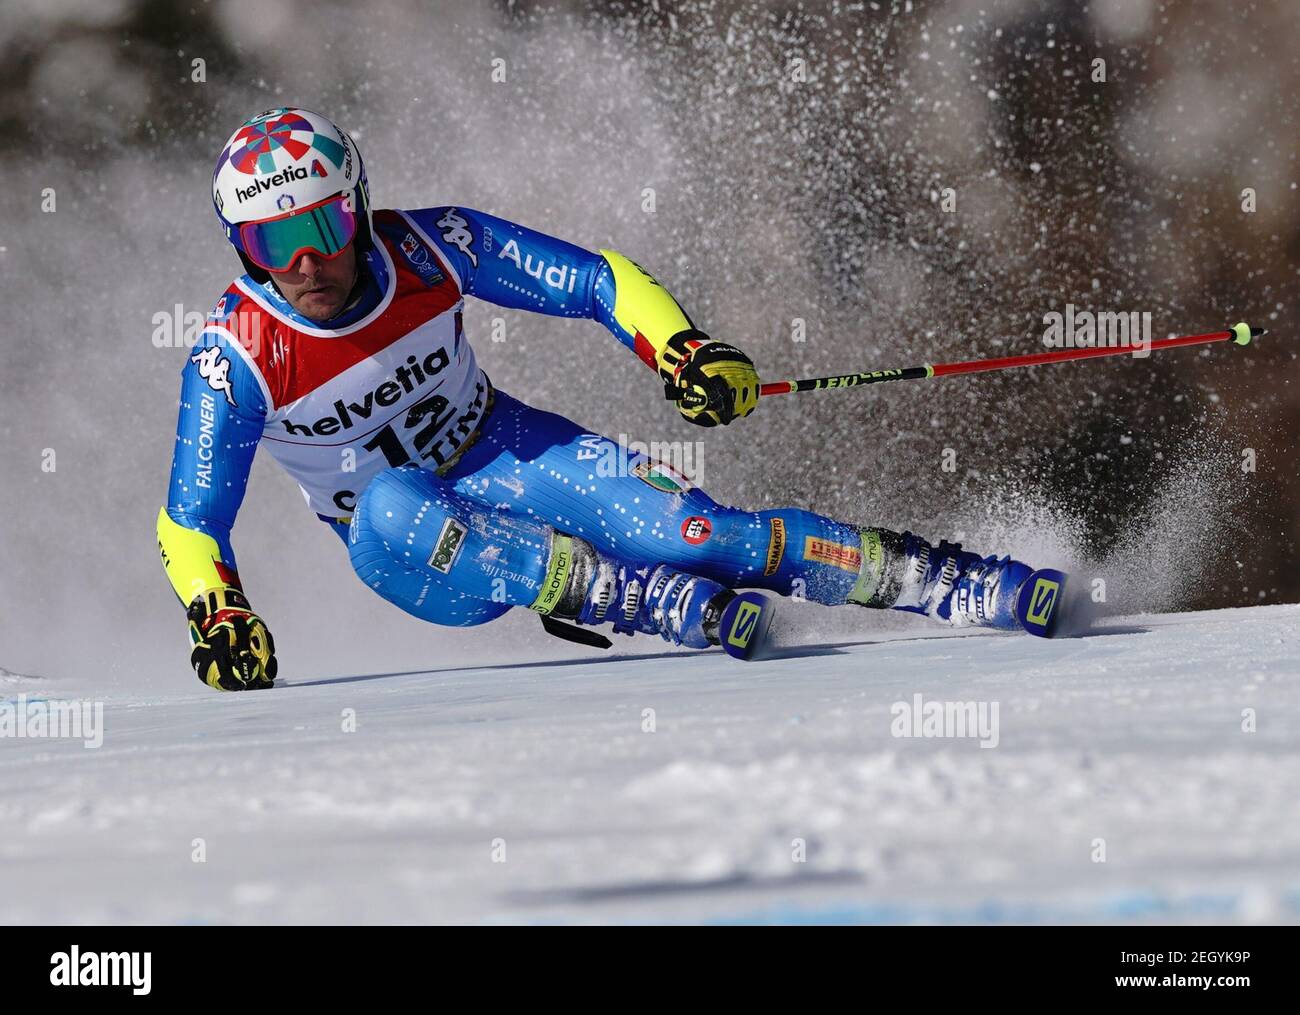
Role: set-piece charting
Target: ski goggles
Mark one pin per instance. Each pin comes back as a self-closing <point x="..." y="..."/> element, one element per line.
<point x="323" y="229"/>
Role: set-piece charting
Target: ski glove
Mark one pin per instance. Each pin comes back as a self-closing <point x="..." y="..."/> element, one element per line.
<point x="233" y="650"/>
<point x="711" y="382"/>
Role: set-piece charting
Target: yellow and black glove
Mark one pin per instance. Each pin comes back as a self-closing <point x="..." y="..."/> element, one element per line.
<point x="711" y="382"/>
<point x="233" y="650"/>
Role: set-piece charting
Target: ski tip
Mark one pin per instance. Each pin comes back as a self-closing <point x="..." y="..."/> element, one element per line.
<point x="745" y="623"/>
<point x="1039" y="604"/>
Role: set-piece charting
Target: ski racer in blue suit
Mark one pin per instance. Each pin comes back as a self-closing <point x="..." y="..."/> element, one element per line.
<point x="341" y="350"/>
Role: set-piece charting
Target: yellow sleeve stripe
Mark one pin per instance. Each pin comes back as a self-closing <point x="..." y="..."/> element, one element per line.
<point x="190" y="559"/>
<point x="642" y="307"/>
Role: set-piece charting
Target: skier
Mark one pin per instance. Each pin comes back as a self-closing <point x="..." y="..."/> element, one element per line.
<point x="342" y="351"/>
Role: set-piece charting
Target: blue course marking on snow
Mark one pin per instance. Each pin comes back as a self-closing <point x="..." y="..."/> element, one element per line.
<point x="1130" y="905"/>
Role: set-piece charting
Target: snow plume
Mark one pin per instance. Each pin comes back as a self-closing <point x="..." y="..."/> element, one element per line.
<point x="1165" y="559"/>
<point x="1166" y="553"/>
<point x="1161" y="555"/>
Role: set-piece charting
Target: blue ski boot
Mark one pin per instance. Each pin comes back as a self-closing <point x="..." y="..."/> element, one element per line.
<point x="904" y="572"/>
<point x="683" y="609"/>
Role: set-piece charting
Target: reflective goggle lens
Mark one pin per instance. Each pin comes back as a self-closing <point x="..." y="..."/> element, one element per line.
<point x="323" y="229"/>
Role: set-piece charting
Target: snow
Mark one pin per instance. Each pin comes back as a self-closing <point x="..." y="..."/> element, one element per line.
<point x="1133" y="735"/>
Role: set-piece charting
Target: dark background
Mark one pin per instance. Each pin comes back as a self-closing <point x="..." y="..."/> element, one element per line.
<point x="775" y="199"/>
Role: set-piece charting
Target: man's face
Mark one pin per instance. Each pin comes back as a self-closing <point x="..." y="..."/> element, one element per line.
<point x="316" y="288"/>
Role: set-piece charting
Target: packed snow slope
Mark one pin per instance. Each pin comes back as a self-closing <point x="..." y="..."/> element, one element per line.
<point x="1125" y="785"/>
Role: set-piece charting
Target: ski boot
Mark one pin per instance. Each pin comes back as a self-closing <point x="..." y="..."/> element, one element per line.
<point x="904" y="572"/>
<point x="683" y="609"/>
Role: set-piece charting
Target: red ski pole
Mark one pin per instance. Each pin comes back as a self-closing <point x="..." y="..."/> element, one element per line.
<point x="1239" y="334"/>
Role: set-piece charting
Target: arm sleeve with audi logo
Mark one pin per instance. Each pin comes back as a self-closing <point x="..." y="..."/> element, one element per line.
<point x="507" y="264"/>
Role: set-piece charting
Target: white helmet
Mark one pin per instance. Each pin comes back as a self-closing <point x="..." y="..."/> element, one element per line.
<point x="290" y="181"/>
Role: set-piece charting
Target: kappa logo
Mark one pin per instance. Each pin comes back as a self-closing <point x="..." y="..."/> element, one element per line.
<point x="215" y="369"/>
<point x="455" y="230"/>
<point x="696" y="530"/>
<point x="450" y="542"/>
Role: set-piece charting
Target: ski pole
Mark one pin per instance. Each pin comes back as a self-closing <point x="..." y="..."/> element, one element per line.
<point x="1239" y="334"/>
